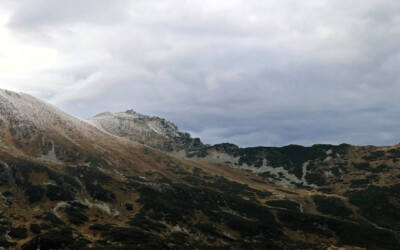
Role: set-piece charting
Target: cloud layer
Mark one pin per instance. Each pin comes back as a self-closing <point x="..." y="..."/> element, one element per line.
<point x="256" y="72"/>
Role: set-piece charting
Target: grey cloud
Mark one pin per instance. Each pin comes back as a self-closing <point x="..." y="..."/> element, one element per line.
<point x="41" y="14"/>
<point x="254" y="73"/>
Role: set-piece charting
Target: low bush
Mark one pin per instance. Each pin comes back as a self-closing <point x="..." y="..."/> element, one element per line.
<point x="147" y="224"/>
<point x="35" y="228"/>
<point x="362" y="165"/>
<point x="60" y="193"/>
<point x="316" y="178"/>
<point x="359" y="183"/>
<point x="53" y="239"/>
<point x="76" y="216"/>
<point x="50" y="217"/>
<point x="97" y="192"/>
<point x="286" y="204"/>
<point x="379" y="205"/>
<point x="35" y="193"/>
<point x="18" y="233"/>
<point x="331" y="205"/>
<point x="349" y="233"/>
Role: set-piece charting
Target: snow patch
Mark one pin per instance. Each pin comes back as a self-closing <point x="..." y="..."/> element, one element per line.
<point x="59" y="205"/>
<point x="51" y="156"/>
<point x="102" y="206"/>
<point x="305" y="172"/>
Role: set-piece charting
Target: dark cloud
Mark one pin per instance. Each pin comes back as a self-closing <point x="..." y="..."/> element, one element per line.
<point x="42" y="14"/>
<point x="252" y="73"/>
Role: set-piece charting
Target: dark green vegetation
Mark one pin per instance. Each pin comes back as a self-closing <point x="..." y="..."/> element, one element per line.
<point x="380" y="205"/>
<point x="290" y="157"/>
<point x="357" y="183"/>
<point x="18" y="233"/>
<point x="59" y="193"/>
<point x="35" y="193"/>
<point x="20" y="174"/>
<point x="76" y="215"/>
<point x="94" y="181"/>
<point x="286" y="204"/>
<point x="380" y="169"/>
<point x="202" y="210"/>
<point x="349" y="233"/>
<point x="368" y="167"/>
<point x="53" y="239"/>
<point x="373" y="156"/>
<point x="362" y="165"/>
<point x="331" y="205"/>
<point x="316" y="178"/>
<point x="129" y="237"/>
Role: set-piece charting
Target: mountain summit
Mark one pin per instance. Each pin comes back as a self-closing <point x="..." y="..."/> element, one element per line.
<point x="153" y="131"/>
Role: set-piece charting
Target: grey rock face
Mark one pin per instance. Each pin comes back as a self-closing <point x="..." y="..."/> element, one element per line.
<point x="152" y="131"/>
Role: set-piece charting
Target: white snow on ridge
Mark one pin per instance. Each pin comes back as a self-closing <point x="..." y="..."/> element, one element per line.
<point x="135" y="124"/>
<point x="25" y="108"/>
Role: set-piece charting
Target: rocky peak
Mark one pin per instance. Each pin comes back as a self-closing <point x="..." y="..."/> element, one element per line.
<point x="150" y="130"/>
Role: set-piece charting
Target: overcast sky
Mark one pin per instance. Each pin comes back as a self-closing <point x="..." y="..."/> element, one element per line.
<point x="254" y="72"/>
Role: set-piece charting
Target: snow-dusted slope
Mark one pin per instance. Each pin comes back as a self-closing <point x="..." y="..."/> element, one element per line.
<point x="35" y="128"/>
<point x="24" y="108"/>
<point x="153" y="131"/>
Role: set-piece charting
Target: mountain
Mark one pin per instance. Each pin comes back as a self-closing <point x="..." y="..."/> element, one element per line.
<point x="67" y="184"/>
<point x="319" y="166"/>
<point x="153" y="131"/>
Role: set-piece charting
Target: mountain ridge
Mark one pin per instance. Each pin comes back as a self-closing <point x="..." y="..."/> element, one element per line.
<point x="289" y="164"/>
<point x="65" y="184"/>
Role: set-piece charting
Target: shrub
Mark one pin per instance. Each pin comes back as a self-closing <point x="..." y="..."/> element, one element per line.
<point x="379" y="169"/>
<point x="48" y="216"/>
<point x="335" y="171"/>
<point x="349" y="233"/>
<point x="286" y="204"/>
<point x="76" y="216"/>
<point x="128" y="206"/>
<point x="316" y="178"/>
<point x="59" y="193"/>
<point x="18" y="233"/>
<point x="207" y="229"/>
<point x="35" y="228"/>
<point x="179" y="238"/>
<point x="362" y="165"/>
<point x="99" y="193"/>
<point x="100" y="227"/>
<point x="375" y="204"/>
<point x="244" y="226"/>
<point x="141" y="222"/>
<point x="133" y="236"/>
<point x="331" y="205"/>
<point x="35" y="193"/>
<point x="89" y="174"/>
<point x="6" y="244"/>
<point x="373" y="156"/>
<point x="359" y="183"/>
<point x="53" y="239"/>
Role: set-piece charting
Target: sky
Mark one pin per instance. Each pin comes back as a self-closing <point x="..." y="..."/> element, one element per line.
<point x="254" y="72"/>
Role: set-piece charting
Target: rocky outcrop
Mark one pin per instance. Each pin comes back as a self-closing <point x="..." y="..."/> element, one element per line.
<point x="149" y="130"/>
